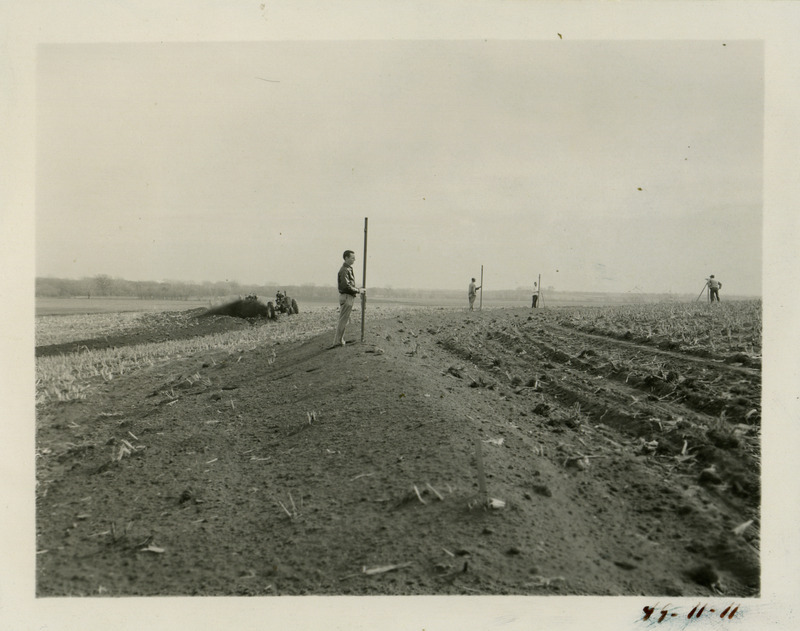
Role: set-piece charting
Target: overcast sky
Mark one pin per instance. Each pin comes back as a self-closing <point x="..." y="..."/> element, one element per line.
<point x="608" y="166"/>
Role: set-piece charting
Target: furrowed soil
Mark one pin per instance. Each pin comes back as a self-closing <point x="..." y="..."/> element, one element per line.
<point x="493" y="452"/>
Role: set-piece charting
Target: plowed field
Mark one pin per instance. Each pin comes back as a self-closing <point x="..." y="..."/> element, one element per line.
<point x="506" y="451"/>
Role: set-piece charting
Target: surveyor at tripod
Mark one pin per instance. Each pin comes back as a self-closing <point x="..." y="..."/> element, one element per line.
<point x="713" y="288"/>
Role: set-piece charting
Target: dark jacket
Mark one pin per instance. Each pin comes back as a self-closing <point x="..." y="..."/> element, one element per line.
<point x="347" y="280"/>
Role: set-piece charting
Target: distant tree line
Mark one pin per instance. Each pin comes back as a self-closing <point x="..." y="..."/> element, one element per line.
<point x="103" y="285"/>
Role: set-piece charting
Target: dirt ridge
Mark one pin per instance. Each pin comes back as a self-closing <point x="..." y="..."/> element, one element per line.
<point x="299" y="469"/>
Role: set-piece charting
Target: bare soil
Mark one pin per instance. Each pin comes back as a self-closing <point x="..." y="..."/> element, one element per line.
<point x="494" y="452"/>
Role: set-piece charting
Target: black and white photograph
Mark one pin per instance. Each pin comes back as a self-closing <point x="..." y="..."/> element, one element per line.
<point x="476" y="325"/>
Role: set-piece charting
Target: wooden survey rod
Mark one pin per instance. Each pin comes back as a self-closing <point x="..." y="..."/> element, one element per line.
<point x="364" y="281"/>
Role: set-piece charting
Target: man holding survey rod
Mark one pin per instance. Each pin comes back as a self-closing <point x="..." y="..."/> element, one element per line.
<point x="347" y="293"/>
<point x="348" y="290"/>
<point x="472" y="293"/>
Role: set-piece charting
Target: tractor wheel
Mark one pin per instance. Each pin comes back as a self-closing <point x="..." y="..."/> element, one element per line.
<point x="270" y="311"/>
<point x="294" y="308"/>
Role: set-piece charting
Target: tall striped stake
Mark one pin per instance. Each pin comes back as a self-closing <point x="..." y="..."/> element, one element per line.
<point x="480" y="304"/>
<point x="364" y="281"/>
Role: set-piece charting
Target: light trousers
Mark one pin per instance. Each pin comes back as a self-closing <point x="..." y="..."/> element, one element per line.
<point x="345" y="307"/>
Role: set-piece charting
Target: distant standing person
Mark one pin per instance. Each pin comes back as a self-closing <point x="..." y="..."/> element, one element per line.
<point x="473" y="292"/>
<point x="713" y="288"/>
<point x="347" y="293"/>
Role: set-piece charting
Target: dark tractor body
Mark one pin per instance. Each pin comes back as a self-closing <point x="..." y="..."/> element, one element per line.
<point x="283" y="304"/>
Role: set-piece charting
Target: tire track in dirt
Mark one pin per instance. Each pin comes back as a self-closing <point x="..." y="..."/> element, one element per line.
<point x="690" y="384"/>
<point x="665" y="400"/>
<point x="702" y="358"/>
<point x="633" y="392"/>
<point x="669" y="406"/>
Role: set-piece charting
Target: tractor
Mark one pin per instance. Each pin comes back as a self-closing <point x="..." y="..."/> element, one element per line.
<point x="283" y="304"/>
